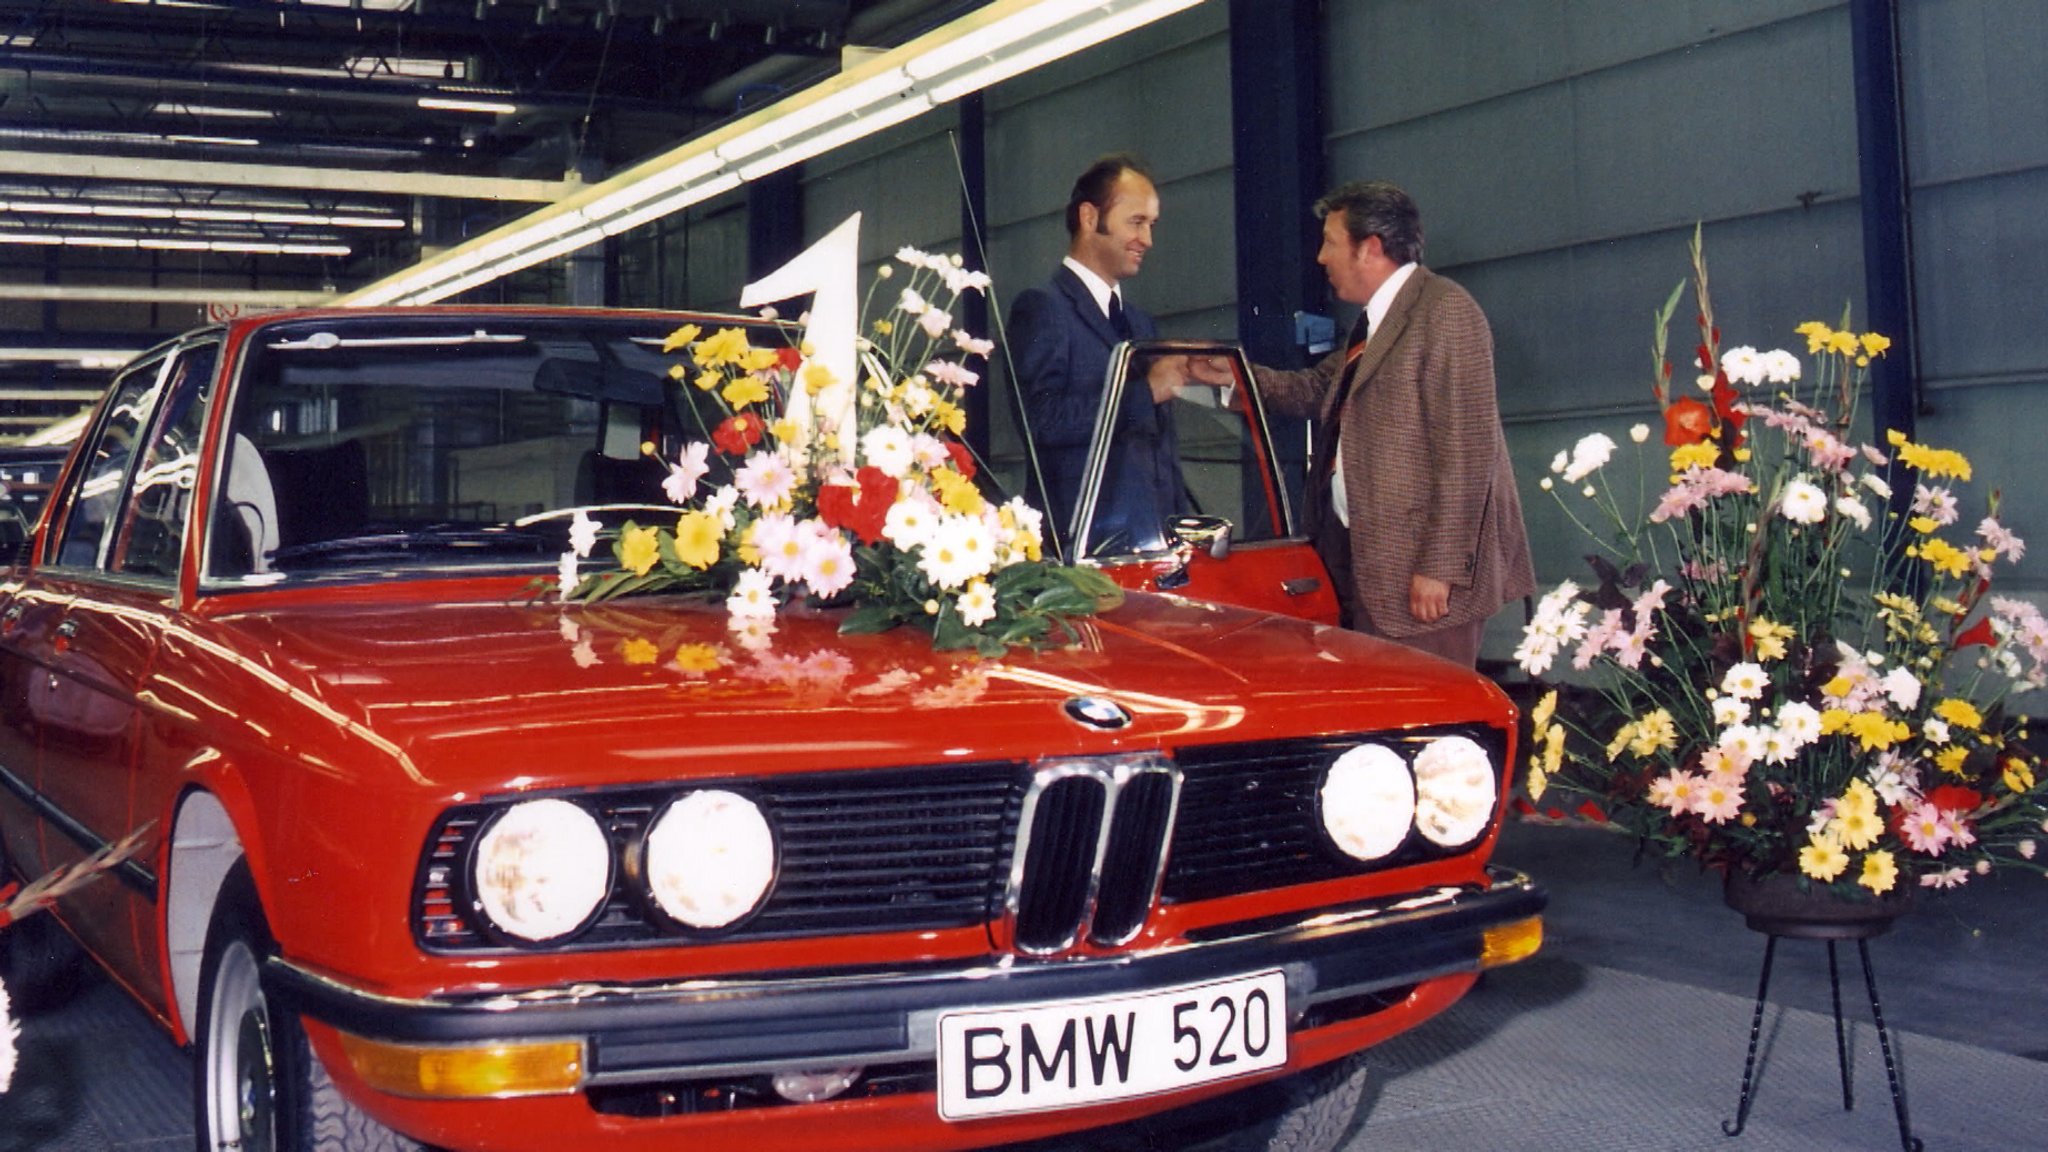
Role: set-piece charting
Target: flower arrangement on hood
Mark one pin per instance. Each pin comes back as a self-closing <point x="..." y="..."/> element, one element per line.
<point x="1792" y="662"/>
<point x="873" y="505"/>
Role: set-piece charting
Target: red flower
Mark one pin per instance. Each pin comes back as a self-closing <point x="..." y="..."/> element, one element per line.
<point x="1979" y="633"/>
<point x="963" y="460"/>
<point x="789" y="359"/>
<point x="860" y="508"/>
<point x="739" y="433"/>
<point x="1687" y="421"/>
<point x="1592" y="811"/>
<point x="1724" y="403"/>
<point x="1955" y="798"/>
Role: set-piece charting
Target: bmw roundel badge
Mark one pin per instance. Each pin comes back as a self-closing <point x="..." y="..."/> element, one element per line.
<point x="1098" y="712"/>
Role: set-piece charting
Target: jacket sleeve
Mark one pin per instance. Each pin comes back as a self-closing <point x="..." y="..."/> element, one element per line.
<point x="1460" y="412"/>
<point x="1061" y="409"/>
<point x="1299" y="392"/>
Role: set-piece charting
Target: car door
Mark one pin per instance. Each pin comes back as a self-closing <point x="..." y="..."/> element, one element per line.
<point x="1232" y="536"/>
<point x="116" y="564"/>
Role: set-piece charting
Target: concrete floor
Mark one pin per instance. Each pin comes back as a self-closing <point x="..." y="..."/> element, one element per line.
<point x="1628" y="1032"/>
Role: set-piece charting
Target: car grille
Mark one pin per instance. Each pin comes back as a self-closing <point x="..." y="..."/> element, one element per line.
<point x="913" y="850"/>
<point x="934" y="848"/>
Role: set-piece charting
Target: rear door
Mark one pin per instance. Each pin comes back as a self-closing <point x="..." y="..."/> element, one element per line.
<point x="116" y="565"/>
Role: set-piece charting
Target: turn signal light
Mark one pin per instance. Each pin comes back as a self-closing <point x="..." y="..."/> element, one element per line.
<point x="462" y="1072"/>
<point x="1507" y="943"/>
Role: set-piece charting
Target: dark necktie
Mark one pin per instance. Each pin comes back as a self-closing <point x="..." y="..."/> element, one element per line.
<point x="1119" y="322"/>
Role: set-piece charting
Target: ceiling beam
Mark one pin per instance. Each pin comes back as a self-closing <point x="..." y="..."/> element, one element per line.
<point x="218" y="173"/>
<point x="126" y="294"/>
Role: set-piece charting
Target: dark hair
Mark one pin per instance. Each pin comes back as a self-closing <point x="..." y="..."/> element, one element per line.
<point x="1377" y="208"/>
<point x="1097" y="183"/>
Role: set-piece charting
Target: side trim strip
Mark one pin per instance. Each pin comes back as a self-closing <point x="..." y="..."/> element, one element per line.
<point x="131" y="872"/>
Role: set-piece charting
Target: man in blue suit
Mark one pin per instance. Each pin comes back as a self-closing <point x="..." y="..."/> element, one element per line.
<point x="1060" y="338"/>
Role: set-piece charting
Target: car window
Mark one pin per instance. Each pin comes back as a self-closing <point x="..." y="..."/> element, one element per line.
<point x="151" y="540"/>
<point x="96" y="492"/>
<point x="1208" y="469"/>
<point x="386" y="447"/>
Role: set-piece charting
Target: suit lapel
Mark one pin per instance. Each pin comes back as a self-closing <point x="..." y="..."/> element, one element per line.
<point x="1360" y="371"/>
<point x="1084" y="305"/>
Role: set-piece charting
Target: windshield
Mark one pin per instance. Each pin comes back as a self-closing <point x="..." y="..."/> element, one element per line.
<point x="397" y="444"/>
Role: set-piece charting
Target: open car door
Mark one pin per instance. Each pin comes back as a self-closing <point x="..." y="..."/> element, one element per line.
<point x="1229" y="534"/>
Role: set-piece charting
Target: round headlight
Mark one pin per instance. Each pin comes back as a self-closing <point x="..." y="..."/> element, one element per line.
<point x="542" y="869"/>
<point x="1368" y="801"/>
<point x="710" y="858"/>
<point x="1456" y="790"/>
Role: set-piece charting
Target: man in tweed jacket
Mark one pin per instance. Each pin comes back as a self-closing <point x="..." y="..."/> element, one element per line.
<point x="1412" y="500"/>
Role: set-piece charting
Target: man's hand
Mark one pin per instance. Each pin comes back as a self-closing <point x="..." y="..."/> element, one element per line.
<point x="1167" y="376"/>
<point x="1429" y="599"/>
<point x="1211" y="370"/>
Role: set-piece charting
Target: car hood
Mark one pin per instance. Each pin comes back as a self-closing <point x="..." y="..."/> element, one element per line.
<point x="475" y="695"/>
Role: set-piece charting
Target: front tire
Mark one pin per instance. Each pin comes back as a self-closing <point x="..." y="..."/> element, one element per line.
<point x="258" y="1087"/>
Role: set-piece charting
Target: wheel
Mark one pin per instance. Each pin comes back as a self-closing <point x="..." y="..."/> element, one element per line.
<point x="1312" y="1111"/>
<point x="1318" y="1108"/>
<point x="258" y="1087"/>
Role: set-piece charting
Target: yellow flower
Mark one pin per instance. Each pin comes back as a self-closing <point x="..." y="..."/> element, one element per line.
<point x="1960" y="713"/>
<point x="817" y="378"/>
<point x="1833" y="720"/>
<point x="1816" y="334"/>
<point x="1925" y="525"/>
<point x="2018" y="776"/>
<point x="1950" y="759"/>
<point x="1880" y="872"/>
<point x="744" y="390"/>
<point x="1539" y="782"/>
<point x="884" y="327"/>
<point x="1553" y="749"/>
<point x="1933" y="461"/>
<point x="1874" y="731"/>
<point x="760" y="359"/>
<point x="706" y="381"/>
<point x="1874" y="344"/>
<point x="1700" y="455"/>
<point x="750" y="553"/>
<point x="1860" y="798"/>
<point x="1855" y="830"/>
<point x="1620" y="741"/>
<point x="1770" y="639"/>
<point x="727" y="346"/>
<point x="697" y="536"/>
<point x="639" y="549"/>
<point x="696" y="658"/>
<point x="1839" y="687"/>
<point x="1946" y="558"/>
<point x="784" y="430"/>
<point x="687" y="334"/>
<point x="1539" y="716"/>
<point x="957" y="492"/>
<point x="1823" y="859"/>
<point x="1842" y="342"/>
<point x="639" y="650"/>
<point x="950" y="416"/>
<point x="1654" y="733"/>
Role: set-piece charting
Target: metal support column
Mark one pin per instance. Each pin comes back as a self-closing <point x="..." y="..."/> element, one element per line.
<point x="974" y="306"/>
<point x="1887" y="213"/>
<point x="775" y="221"/>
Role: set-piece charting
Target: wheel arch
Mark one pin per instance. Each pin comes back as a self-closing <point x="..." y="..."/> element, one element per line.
<point x="205" y="846"/>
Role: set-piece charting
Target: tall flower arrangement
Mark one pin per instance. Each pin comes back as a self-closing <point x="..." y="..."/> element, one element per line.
<point x="1792" y="661"/>
<point x="875" y="506"/>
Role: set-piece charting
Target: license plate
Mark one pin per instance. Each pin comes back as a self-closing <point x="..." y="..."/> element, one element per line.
<point x="1067" y="1053"/>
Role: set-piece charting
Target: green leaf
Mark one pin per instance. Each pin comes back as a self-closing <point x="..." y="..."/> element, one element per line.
<point x="869" y="619"/>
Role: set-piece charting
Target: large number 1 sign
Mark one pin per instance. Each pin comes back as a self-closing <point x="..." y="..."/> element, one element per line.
<point x="829" y="271"/>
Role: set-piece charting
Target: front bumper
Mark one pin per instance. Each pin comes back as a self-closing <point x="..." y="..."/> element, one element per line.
<point x="741" y="1026"/>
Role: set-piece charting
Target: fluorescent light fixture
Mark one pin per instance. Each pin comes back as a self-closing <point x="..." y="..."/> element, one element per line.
<point x="213" y="111"/>
<point x="404" y="67"/>
<point x="83" y="357"/>
<point x="996" y="41"/>
<point x="223" y="141"/>
<point x="460" y="104"/>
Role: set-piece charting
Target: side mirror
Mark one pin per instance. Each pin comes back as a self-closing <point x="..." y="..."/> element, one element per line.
<point x="1210" y="533"/>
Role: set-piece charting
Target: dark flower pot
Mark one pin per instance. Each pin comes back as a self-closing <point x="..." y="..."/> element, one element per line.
<point x="1779" y="903"/>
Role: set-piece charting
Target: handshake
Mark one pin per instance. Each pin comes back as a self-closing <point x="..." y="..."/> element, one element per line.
<point x="1169" y="374"/>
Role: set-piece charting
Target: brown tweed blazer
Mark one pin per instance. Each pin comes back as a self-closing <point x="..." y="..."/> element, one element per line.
<point x="1428" y="485"/>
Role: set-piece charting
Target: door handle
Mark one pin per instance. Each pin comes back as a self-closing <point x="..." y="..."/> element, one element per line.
<point x="68" y="629"/>
<point x="1301" y="585"/>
